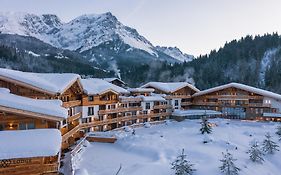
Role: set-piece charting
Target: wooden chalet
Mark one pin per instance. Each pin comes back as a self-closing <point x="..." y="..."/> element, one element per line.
<point x="30" y="152"/>
<point x="178" y="94"/>
<point x="240" y="101"/>
<point x="65" y="87"/>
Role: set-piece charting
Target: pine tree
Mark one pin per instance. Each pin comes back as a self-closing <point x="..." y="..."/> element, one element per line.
<point x="228" y="167"/>
<point x="205" y="126"/>
<point x="255" y="153"/>
<point x="182" y="166"/>
<point x="269" y="146"/>
<point x="278" y="132"/>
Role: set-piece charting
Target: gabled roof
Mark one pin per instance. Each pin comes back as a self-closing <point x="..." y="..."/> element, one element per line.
<point x="52" y="108"/>
<point x="169" y="87"/>
<point x="29" y="143"/>
<point x="242" y="87"/>
<point x="113" y="79"/>
<point x="94" y="86"/>
<point x="50" y="83"/>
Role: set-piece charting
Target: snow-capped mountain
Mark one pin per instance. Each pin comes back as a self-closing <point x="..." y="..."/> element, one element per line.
<point x="86" y="33"/>
<point x="175" y="53"/>
<point x="82" y="33"/>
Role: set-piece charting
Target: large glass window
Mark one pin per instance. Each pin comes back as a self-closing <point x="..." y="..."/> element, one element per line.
<point x="147" y="105"/>
<point x="30" y="126"/>
<point x="91" y="98"/>
<point x="176" y="102"/>
<point x="90" y="111"/>
<point x="1" y="127"/>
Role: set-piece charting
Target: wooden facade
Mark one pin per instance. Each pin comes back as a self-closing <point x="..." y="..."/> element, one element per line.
<point x="30" y="166"/>
<point x="234" y="103"/>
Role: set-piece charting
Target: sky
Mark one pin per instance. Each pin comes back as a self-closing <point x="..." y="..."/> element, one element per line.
<point x="194" y="26"/>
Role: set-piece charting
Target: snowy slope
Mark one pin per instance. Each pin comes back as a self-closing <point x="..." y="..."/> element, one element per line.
<point x="176" y="53"/>
<point x="152" y="150"/>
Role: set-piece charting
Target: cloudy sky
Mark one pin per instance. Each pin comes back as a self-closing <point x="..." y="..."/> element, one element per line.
<point x="195" y="26"/>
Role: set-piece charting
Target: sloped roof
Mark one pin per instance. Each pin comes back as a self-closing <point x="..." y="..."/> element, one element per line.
<point x="29" y="143"/>
<point x="153" y="98"/>
<point x="51" y="83"/>
<point x="242" y="87"/>
<point x="141" y="89"/>
<point x="46" y="107"/>
<point x="93" y="86"/>
<point x="169" y="87"/>
<point x="113" y="79"/>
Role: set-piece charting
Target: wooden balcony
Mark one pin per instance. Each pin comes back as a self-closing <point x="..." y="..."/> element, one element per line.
<point x="70" y="104"/>
<point x="130" y="99"/>
<point x="177" y="96"/>
<point x="74" y="117"/>
<point x="122" y="119"/>
<point x="70" y="133"/>
<point x="233" y="97"/>
<point x="117" y="110"/>
<point x="186" y="103"/>
<point x="162" y="106"/>
<point x="206" y="103"/>
<point x="259" y="105"/>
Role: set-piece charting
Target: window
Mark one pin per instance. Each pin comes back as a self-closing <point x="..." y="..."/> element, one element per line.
<point x="24" y="126"/>
<point x="147" y="105"/>
<point x="30" y="126"/>
<point x="176" y="102"/>
<point x="91" y="98"/>
<point x="1" y="127"/>
<point x="90" y="110"/>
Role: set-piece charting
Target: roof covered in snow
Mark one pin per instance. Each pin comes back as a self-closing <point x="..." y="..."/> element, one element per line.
<point x="113" y="79"/>
<point x="29" y="143"/>
<point x="45" y="107"/>
<point x="141" y="89"/>
<point x="193" y="112"/>
<point x="170" y="87"/>
<point x="153" y="98"/>
<point x="93" y="86"/>
<point x="242" y="87"/>
<point x="48" y="82"/>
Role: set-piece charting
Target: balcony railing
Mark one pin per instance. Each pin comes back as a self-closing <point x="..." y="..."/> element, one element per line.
<point x="162" y="106"/>
<point x="74" y="117"/>
<point x="177" y="96"/>
<point x="117" y="110"/>
<point x="71" y="103"/>
<point x="185" y="103"/>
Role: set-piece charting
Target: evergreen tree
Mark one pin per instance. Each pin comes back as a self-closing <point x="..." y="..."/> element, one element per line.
<point x="182" y="166"/>
<point x="269" y="146"/>
<point x="205" y="126"/>
<point x="278" y="132"/>
<point x="255" y="153"/>
<point x="228" y="167"/>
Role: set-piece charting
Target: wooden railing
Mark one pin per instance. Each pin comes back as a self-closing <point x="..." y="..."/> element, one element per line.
<point x="234" y="96"/>
<point x="70" y="133"/>
<point x="74" y="117"/>
<point x="117" y="110"/>
<point x="177" y="96"/>
<point x="130" y="99"/>
<point x="162" y="106"/>
<point x="259" y="105"/>
<point x="110" y="121"/>
<point x="71" y="103"/>
<point x="186" y="103"/>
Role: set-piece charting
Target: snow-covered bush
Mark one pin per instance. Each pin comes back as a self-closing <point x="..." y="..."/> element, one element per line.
<point x="147" y="125"/>
<point x="205" y="126"/>
<point x="278" y="132"/>
<point x="268" y="145"/>
<point x="182" y="166"/>
<point x="255" y="152"/>
<point x="228" y="167"/>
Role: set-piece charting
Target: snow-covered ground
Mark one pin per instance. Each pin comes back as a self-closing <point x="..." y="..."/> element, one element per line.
<point x="152" y="150"/>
